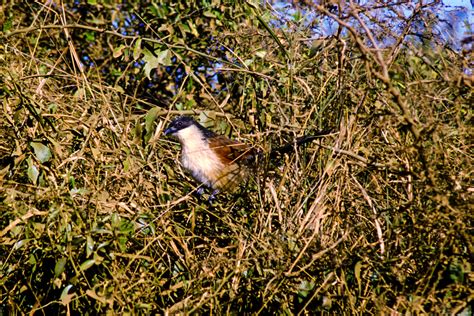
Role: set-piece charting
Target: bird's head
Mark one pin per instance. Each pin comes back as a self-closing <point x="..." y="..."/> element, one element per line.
<point x="179" y="124"/>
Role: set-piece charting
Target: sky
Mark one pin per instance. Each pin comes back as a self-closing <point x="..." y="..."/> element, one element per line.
<point x="460" y="15"/>
<point x="464" y="3"/>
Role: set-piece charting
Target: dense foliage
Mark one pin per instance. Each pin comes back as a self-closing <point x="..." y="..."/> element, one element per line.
<point x="97" y="215"/>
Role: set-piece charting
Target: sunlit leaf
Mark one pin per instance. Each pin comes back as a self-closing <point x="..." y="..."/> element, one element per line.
<point x="164" y="57"/>
<point x="193" y="29"/>
<point x="42" y="152"/>
<point x="118" y="51"/>
<point x="357" y="269"/>
<point x="32" y="171"/>
<point x="33" y="174"/>
<point x="115" y="220"/>
<point x="65" y="296"/>
<point x="52" y="108"/>
<point x="137" y="49"/>
<point x="103" y="244"/>
<point x="89" y="246"/>
<point x="87" y="264"/>
<point x="209" y="14"/>
<point x="60" y="266"/>
<point x="126" y="164"/>
<point x="305" y="287"/>
<point x="151" y="62"/>
<point x="80" y="93"/>
<point x="20" y="243"/>
<point x="32" y="260"/>
<point x="150" y="118"/>
<point x="261" y="53"/>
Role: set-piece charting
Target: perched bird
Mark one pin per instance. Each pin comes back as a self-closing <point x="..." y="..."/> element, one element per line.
<point x="216" y="161"/>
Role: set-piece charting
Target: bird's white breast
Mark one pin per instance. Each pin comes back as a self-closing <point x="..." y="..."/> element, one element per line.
<point x="197" y="157"/>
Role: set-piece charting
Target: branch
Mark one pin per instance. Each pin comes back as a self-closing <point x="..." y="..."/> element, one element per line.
<point x="384" y="76"/>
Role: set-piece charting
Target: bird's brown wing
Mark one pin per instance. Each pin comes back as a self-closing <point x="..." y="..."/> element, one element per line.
<point x="236" y="158"/>
<point x="230" y="151"/>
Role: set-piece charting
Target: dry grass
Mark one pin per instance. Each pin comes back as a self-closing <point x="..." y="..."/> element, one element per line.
<point x="376" y="218"/>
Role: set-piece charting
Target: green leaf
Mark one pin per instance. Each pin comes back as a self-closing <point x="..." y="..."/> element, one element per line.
<point x="193" y="29"/>
<point x="33" y="171"/>
<point x="126" y="164"/>
<point x="32" y="260"/>
<point x="150" y="118"/>
<point x="126" y="227"/>
<point x="152" y="62"/>
<point x="164" y="57"/>
<point x="122" y="243"/>
<point x="87" y="264"/>
<point x="60" y="266"/>
<point x="20" y="244"/>
<point x="261" y="53"/>
<point x="209" y="14"/>
<point x="89" y="246"/>
<point x="42" y="152"/>
<point x="305" y="287"/>
<point x="115" y="220"/>
<point x="357" y="269"/>
<point x="118" y="51"/>
<point x="53" y="108"/>
<point x="72" y="182"/>
<point x="8" y="24"/>
<point x="33" y="174"/>
<point x="248" y="62"/>
<point x="65" y="296"/>
<point x="179" y="106"/>
<point x="43" y="69"/>
<point x="137" y="49"/>
<point x="90" y="36"/>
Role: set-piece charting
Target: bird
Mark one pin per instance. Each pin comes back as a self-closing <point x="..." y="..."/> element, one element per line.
<point x="218" y="162"/>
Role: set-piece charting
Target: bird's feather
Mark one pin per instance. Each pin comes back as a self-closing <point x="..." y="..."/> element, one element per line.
<point x="234" y="156"/>
<point x="217" y="161"/>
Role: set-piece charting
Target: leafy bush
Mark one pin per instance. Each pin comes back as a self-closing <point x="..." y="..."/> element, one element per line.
<point x="97" y="215"/>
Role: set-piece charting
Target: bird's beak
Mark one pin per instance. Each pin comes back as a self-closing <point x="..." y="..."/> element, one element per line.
<point x="169" y="131"/>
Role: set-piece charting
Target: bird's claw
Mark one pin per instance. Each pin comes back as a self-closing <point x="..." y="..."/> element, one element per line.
<point x="200" y="191"/>
<point x="213" y="195"/>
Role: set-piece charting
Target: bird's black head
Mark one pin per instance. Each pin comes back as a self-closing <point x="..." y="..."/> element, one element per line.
<point x="178" y="124"/>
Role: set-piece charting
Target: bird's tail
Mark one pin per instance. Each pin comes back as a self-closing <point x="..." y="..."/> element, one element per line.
<point x="298" y="142"/>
